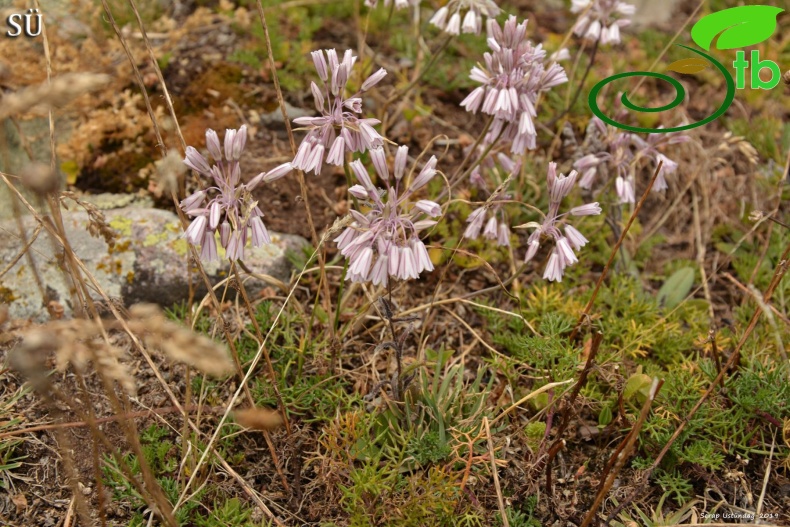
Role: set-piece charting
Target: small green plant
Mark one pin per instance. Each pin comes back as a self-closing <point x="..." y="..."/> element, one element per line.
<point x="675" y="485"/>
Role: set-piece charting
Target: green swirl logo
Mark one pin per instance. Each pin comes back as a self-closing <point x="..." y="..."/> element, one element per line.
<point x="736" y="27"/>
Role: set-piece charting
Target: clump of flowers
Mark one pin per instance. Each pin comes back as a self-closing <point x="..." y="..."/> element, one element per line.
<point x="231" y="208"/>
<point x="384" y="242"/>
<point x="399" y="4"/>
<point x="496" y="226"/>
<point x="565" y="243"/>
<point x="339" y="129"/>
<point x="449" y="17"/>
<point x="490" y="219"/>
<point x="514" y="75"/>
<point x="620" y="153"/>
<point x="602" y="20"/>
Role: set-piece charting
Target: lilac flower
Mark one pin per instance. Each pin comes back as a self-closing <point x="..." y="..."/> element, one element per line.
<point x="490" y="221"/>
<point x="339" y="129"/>
<point x="565" y="243"/>
<point x="384" y="242"/>
<point x="513" y="77"/>
<point x="602" y="20"/>
<point x="449" y="18"/>
<point x="620" y="152"/>
<point x="399" y="4"/>
<point x="230" y="208"/>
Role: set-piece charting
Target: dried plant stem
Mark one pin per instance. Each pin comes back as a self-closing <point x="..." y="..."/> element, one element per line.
<point x="138" y="77"/>
<point x="286" y="120"/>
<point x="543" y="389"/>
<point x="761" y="500"/>
<point x="28" y="243"/>
<point x="110" y="419"/>
<point x="621" y="454"/>
<point x="586" y="312"/>
<point x="267" y="359"/>
<point x="495" y="474"/>
<point x="150" y="490"/>
<point x="569" y="409"/>
<point x="250" y="370"/>
<point x="97" y="476"/>
<point x="779" y="273"/>
<point x="299" y="173"/>
<point x="748" y="291"/>
<point x="418" y="75"/>
<point x="701" y="252"/>
<point x="159" y="76"/>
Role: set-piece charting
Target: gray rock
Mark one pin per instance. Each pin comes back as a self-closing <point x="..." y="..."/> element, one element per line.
<point x="652" y="13"/>
<point x="147" y="264"/>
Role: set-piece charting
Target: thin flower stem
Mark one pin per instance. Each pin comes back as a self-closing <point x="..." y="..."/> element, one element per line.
<point x="613" y="254"/>
<point x="299" y="173"/>
<point x="266" y="357"/>
<point x="572" y="100"/>
<point x="406" y="89"/>
<point x="340" y="294"/>
<point x="472" y="150"/>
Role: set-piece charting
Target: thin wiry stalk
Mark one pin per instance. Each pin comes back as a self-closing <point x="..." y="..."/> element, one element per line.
<point x="259" y="337"/>
<point x="252" y="366"/>
<point x="157" y="495"/>
<point x="621" y="454"/>
<point x="192" y="251"/>
<point x="569" y="410"/>
<point x="779" y="273"/>
<point x="586" y="312"/>
<point x="299" y="173"/>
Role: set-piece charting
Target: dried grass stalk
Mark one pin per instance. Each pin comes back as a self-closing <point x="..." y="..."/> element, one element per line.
<point x="179" y="343"/>
<point x="75" y="342"/>
<point x="59" y="92"/>
<point x="80" y="342"/>
<point x="97" y="223"/>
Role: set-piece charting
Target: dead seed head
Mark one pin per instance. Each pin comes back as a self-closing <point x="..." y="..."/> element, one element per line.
<point x="55" y="94"/>
<point x="756" y="215"/>
<point x="97" y="223"/>
<point x="170" y="169"/>
<point x="75" y="342"/>
<point x="40" y="178"/>
<point x="263" y="419"/>
<point x="179" y="343"/>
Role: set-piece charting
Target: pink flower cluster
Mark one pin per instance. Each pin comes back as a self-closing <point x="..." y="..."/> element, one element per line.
<point x="563" y="255"/>
<point x="449" y="17"/>
<point x="620" y="152"/>
<point x="339" y="129"/>
<point x="399" y="4"/>
<point x="514" y="75"/>
<point x="231" y="208"/>
<point x="602" y="20"/>
<point x="384" y="242"/>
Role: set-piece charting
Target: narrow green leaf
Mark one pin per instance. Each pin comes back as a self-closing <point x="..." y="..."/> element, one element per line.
<point x="676" y="287"/>
<point x="739" y="27"/>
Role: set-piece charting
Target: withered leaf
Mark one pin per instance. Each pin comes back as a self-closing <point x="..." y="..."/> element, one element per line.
<point x="689" y="66"/>
<point x="20" y="502"/>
